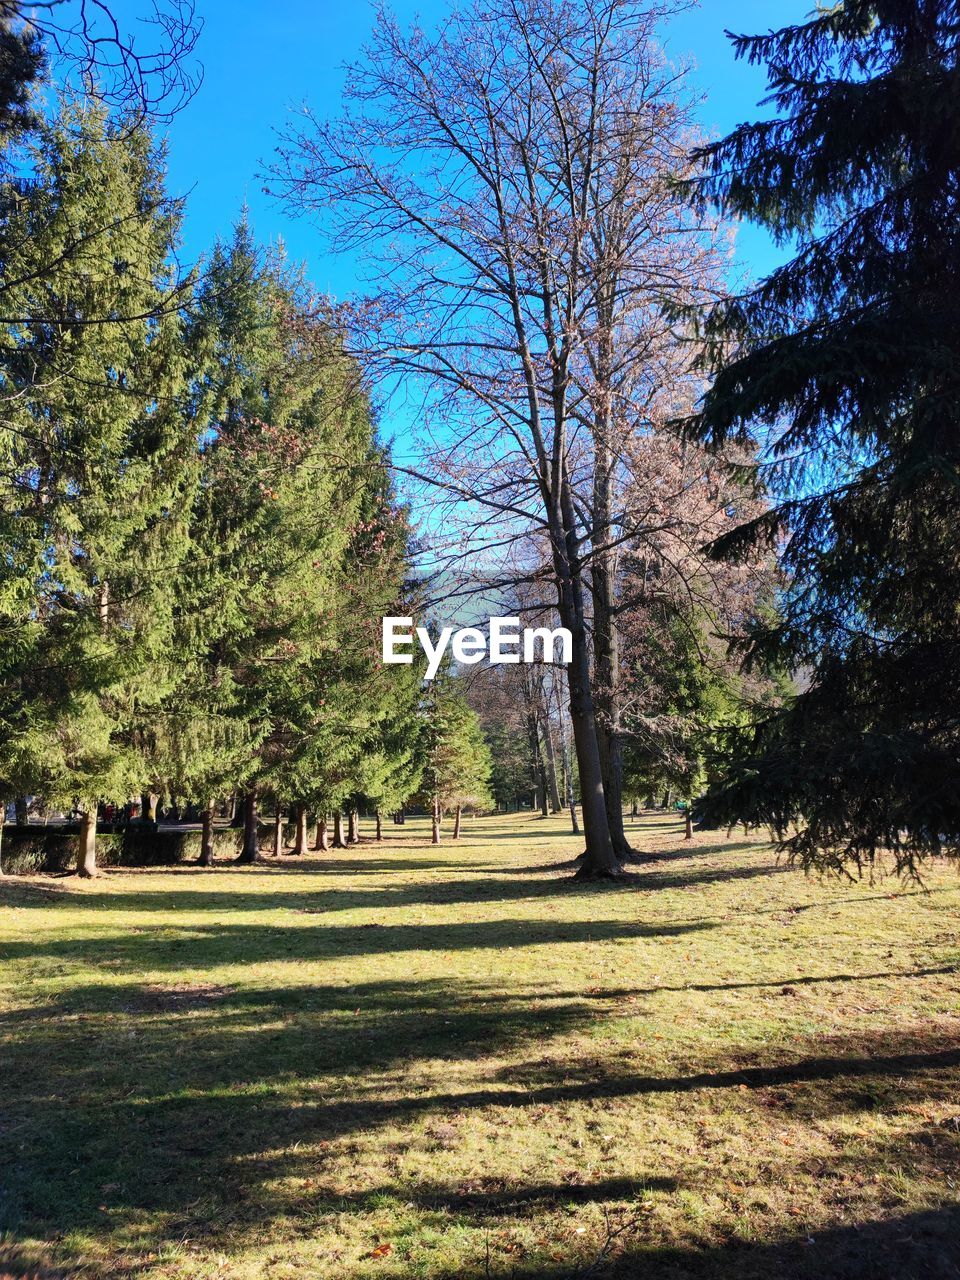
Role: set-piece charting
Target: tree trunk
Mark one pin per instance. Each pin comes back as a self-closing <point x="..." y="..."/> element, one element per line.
<point x="87" y="851"/>
<point x="635" y="810"/>
<point x="379" y="825"/>
<point x="401" y="817"/>
<point x="456" y="824"/>
<point x="322" y="844"/>
<point x="3" y="822"/>
<point x="206" y="836"/>
<point x="600" y="860"/>
<point x="21" y="811"/>
<point x="353" y="827"/>
<point x="568" y="775"/>
<point x="435" y="836"/>
<point x="251" y="839"/>
<point x="148" y="806"/>
<point x="300" y="844"/>
<point x="537" y="769"/>
<point x="547" y="727"/>
<point x="606" y="648"/>
<point x="278" y="830"/>
<point x="688" y="815"/>
<point x="338" y="840"/>
<point x="236" y="812"/>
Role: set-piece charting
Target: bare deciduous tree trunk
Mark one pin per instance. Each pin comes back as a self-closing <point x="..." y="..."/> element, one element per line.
<point x="551" y="754"/>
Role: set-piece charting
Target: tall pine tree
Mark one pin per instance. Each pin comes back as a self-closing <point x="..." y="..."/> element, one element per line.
<point x="846" y="361"/>
<point x="96" y="459"/>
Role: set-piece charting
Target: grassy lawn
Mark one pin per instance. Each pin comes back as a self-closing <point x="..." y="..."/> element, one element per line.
<point x="453" y="1062"/>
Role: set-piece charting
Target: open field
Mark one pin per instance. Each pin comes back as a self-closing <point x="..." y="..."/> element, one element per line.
<point x="443" y="1063"/>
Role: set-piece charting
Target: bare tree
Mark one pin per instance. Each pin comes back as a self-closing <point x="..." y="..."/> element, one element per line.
<point x="141" y="70"/>
<point x="481" y="171"/>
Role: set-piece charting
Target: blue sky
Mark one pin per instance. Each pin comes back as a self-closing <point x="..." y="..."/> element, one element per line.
<point x="261" y="59"/>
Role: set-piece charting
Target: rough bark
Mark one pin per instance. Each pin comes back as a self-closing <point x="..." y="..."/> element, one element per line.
<point x="607" y="683"/>
<point x="353" y="827"/>
<point x="251" y="845"/>
<point x="600" y="860"/>
<point x="435" y="834"/>
<point x="206" y="836"/>
<point x="278" y="830"/>
<point x="379" y="818"/>
<point x="300" y="842"/>
<point x="87" y="849"/>
<point x="322" y="843"/>
<point x="456" y="823"/>
<point x="688" y="816"/>
<point x="338" y="840"/>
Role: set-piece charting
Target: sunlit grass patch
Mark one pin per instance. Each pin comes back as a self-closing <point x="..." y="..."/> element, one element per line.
<point x="409" y="1061"/>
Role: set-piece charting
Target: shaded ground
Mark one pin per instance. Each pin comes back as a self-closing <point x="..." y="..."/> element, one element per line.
<point x="446" y="1063"/>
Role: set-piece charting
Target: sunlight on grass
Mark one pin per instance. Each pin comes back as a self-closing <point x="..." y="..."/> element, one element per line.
<point x="410" y="1061"/>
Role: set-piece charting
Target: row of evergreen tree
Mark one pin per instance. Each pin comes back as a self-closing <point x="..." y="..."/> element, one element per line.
<point x="198" y="526"/>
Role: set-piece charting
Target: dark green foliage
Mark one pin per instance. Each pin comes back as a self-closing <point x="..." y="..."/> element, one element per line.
<point x="847" y="360"/>
<point x="97" y="458"/>
<point x="456" y="756"/>
<point x="21" y="66"/>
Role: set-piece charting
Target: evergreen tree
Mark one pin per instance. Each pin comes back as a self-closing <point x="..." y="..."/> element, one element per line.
<point x="457" y="763"/>
<point x="362" y="749"/>
<point x="270" y="525"/>
<point x="847" y="357"/>
<point x="96" y="452"/>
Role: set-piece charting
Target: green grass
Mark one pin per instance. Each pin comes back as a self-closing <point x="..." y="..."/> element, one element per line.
<point x="454" y="1062"/>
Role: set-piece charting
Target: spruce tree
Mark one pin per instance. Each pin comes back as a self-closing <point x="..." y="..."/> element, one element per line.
<point x="845" y="364"/>
<point x="96" y="451"/>
<point x="457" y="765"/>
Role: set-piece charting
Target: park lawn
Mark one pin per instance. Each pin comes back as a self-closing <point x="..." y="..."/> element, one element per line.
<point x="456" y="1062"/>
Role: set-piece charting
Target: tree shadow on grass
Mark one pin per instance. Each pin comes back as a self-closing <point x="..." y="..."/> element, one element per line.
<point x="198" y="947"/>
<point x="786" y="986"/>
<point x="914" y="1246"/>
<point x="145" y="1113"/>
<point x="505" y="886"/>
